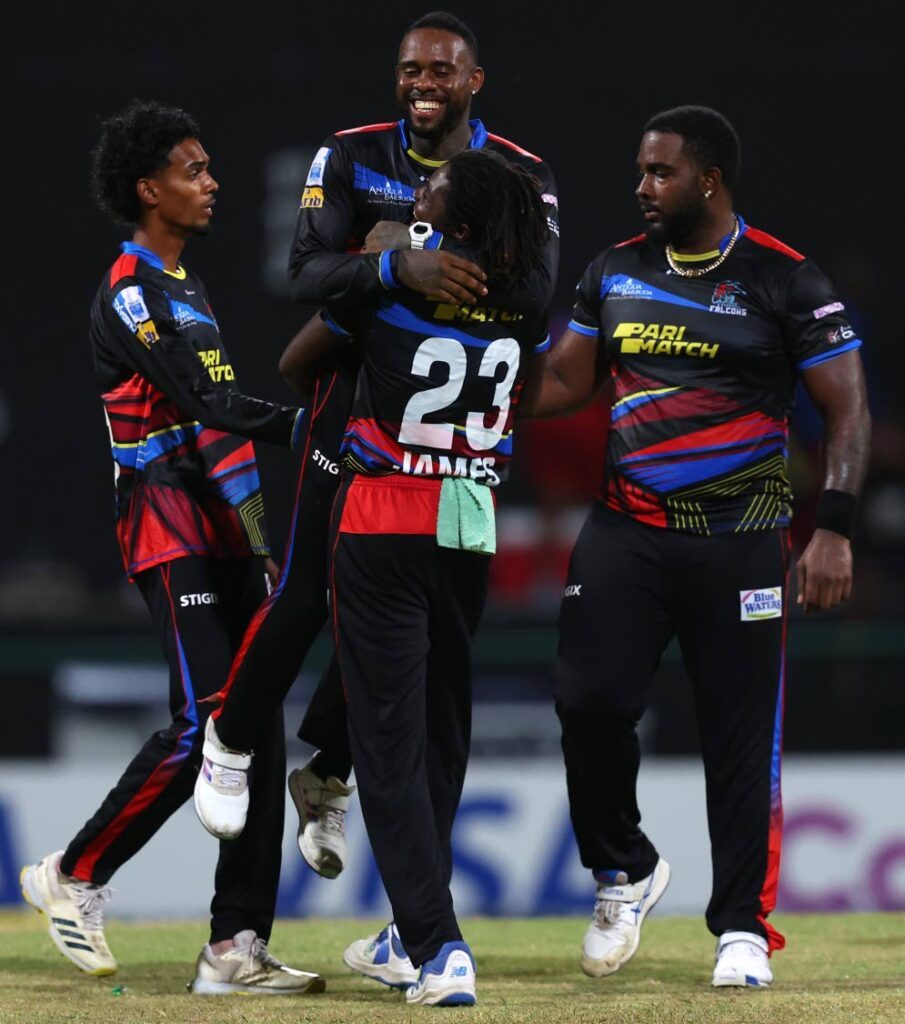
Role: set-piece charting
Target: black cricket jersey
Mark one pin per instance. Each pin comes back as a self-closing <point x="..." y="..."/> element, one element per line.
<point x="439" y="383"/>
<point x="364" y="175"/>
<point x="186" y="477"/>
<point x="704" y="371"/>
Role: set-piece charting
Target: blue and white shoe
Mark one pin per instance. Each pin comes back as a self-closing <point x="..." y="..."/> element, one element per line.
<point x="448" y="979"/>
<point x="619" y="911"/>
<point x="383" y="958"/>
<point x="741" y="961"/>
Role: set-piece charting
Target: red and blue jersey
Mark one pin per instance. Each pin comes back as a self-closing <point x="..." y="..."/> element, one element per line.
<point x="704" y="371"/>
<point x="439" y="383"/>
<point x="180" y="431"/>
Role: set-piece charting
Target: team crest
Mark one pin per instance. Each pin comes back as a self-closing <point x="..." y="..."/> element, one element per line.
<point x="725" y="299"/>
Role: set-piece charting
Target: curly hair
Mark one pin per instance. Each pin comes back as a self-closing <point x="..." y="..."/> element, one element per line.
<point x="135" y="144"/>
<point x="707" y="133"/>
<point x="499" y="202"/>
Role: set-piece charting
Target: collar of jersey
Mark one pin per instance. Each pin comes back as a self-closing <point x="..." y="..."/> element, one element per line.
<point x="478" y="138"/>
<point x="700" y="257"/>
<point x="131" y="249"/>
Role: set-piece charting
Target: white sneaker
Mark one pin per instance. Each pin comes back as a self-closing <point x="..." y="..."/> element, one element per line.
<point x="448" y="979"/>
<point x="383" y="958"/>
<point x="741" y="960"/>
<point x="250" y="969"/>
<point x="322" y="810"/>
<point x="615" y="930"/>
<point x="221" y="790"/>
<point x="74" y="912"/>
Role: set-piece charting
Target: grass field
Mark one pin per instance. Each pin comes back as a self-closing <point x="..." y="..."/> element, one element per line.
<point x="836" y="968"/>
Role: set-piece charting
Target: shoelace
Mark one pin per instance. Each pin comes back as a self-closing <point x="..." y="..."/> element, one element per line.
<point x="228" y="778"/>
<point x="261" y="952"/>
<point x="90" y="901"/>
<point x="608" y="912"/>
<point x="333" y="820"/>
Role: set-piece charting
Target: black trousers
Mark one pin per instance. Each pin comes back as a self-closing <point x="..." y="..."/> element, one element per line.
<point x="286" y="625"/>
<point x="630" y="588"/>
<point x="405" y="612"/>
<point x="201" y="608"/>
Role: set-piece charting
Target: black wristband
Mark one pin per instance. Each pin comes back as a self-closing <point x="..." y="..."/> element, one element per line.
<point x="836" y="512"/>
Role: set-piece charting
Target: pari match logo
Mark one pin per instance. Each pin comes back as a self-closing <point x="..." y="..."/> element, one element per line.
<point x="763" y="603"/>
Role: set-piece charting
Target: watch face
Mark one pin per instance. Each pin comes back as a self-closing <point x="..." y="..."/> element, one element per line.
<point x="421" y="228"/>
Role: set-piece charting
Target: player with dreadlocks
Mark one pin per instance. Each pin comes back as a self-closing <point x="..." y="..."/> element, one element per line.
<point x="429" y="435"/>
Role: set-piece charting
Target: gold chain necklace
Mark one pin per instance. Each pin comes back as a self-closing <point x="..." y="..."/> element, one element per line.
<point x="700" y="271"/>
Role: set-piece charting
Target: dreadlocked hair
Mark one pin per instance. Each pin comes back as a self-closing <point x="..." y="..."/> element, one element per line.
<point x="499" y="202"/>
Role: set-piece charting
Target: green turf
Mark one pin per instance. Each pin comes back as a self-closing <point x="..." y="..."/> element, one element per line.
<point x="836" y="968"/>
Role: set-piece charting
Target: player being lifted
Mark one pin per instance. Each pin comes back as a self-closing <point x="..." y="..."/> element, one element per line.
<point x="359" y="177"/>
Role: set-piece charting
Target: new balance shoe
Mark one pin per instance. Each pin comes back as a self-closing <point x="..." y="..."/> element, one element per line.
<point x="221" y="789"/>
<point x="741" y="961"/>
<point x="382" y="958"/>
<point x="322" y="810"/>
<point x="448" y="979"/>
<point x="619" y="911"/>
<point x="249" y="969"/>
<point x="74" y="911"/>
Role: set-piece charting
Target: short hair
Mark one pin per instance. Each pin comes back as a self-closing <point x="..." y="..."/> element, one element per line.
<point x="134" y="144"/>
<point x="447" y="22"/>
<point x="707" y="133"/>
<point x="500" y="203"/>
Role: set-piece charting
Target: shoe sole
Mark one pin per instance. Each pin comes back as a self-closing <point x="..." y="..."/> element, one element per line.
<point x="749" y="982"/>
<point x="33" y="899"/>
<point x="323" y="863"/>
<point x="599" y="969"/>
<point x="363" y="968"/>
<point x="453" y="999"/>
<point x="200" y="987"/>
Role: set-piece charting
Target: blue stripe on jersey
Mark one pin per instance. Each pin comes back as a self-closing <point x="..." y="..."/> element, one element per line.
<point x="591" y="332"/>
<point x="131" y="249"/>
<point x="367" y="180"/>
<point x="633" y="287"/>
<point x="237" y="489"/>
<point x="829" y="354"/>
<point x="183" y="313"/>
<point x="136" y="456"/>
<point x="333" y="325"/>
<point x="385" y="269"/>
<point x="366" y="452"/>
<point x="397" y="315"/>
<point x="478" y="134"/>
<point x="684" y="472"/>
<point x="543" y="346"/>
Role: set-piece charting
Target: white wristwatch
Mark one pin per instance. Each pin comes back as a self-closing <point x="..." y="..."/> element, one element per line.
<point x="419" y="233"/>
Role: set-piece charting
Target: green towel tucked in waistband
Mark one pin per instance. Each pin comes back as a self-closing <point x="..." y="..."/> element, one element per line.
<point x="465" y="518"/>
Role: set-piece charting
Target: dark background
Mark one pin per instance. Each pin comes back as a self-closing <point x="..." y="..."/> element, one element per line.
<point x="814" y="95"/>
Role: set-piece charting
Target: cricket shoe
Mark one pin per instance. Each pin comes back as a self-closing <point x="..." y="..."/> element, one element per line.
<point x="741" y="961"/>
<point x="74" y="911"/>
<point x="619" y="911"/>
<point x="221" y="789"/>
<point x="448" y="979"/>
<point x="249" y="969"/>
<point x="383" y="958"/>
<point x="322" y="810"/>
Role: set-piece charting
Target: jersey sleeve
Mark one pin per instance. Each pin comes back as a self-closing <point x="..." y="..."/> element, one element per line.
<point x="148" y="340"/>
<point x="814" y="323"/>
<point x="320" y="269"/>
<point x="585" y="317"/>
